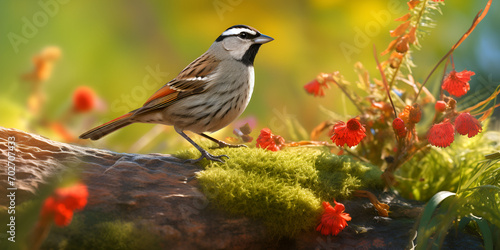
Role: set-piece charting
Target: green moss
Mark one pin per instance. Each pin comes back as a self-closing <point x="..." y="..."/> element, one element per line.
<point x="282" y="189"/>
<point x="100" y="231"/>
<point x="121" y="235"/>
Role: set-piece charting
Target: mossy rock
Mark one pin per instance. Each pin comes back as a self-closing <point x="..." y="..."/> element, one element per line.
<point x="283" y="189"/>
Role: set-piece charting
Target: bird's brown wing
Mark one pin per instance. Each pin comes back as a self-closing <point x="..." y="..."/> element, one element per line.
<point x="192" y="80"/>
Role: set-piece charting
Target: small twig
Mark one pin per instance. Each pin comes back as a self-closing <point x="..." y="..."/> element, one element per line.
<point x="347" y="94"/>
<point x="441" y="92"/>
<point x="356" y="155"/>
<point x="309" y="143"/>
<point x="382" y="208"/>
<point x="480" y="15"/>
<point x="384" y="80"/>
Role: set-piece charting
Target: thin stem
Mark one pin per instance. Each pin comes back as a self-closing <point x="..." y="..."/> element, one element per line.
<point x="384" y="80"/>
<point x="347" y="94"/>
<point x="441" y="92"/>
<point x="476" y="21"/>
<point x="356" y="155"/>
<point x="393" y="79"/>
<point x="309" y="143"/>
<point x="430" y="74"/>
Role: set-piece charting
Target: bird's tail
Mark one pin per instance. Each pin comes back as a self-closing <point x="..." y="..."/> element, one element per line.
<point x="108" y="127"/>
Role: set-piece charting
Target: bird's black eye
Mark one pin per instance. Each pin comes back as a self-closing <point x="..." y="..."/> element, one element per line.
<point x="243" y="35"/>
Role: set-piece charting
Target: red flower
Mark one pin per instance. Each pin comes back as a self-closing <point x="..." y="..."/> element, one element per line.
<point x="61" y="205"/>
<point x="316" y="86"/>
<point x="62" y="216"/>
<point x="333" y="220"/>
<point x="351" y="133"/>
<point x="269" y="141"/>
<point x="457" y="84"/>
<point x="441" y="134"/>
<point x="399" y="127"/>
<point x="466" y="124"/>
<point x="440" y="106"/>
<point x="84" y="99"/>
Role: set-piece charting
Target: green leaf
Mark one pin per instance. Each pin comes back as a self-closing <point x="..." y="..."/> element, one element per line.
<point x="485" y="231"/>
<point x="426" y="222"/>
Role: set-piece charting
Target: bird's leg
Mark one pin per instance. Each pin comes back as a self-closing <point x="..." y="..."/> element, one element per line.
<point x="223" y="144"/>
<point x="204" y="153"/>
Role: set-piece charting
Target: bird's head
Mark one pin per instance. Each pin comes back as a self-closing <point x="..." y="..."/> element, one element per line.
<point x="242" y="42"/>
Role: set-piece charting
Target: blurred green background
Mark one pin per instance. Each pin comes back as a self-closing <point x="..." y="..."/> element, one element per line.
<point x="113" y="46"/>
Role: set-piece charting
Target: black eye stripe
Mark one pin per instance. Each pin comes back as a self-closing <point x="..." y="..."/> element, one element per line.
<point x="245" y="35"/>
<point x="248" y="37"/>
<point x="237" y="30"/>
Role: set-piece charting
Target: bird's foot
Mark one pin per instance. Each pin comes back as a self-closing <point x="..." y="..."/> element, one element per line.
<point x="208" y="156"/>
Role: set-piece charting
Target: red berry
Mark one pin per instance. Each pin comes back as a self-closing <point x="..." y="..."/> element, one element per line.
<point x="440" y="106"/>
<point x="399" y="126"/>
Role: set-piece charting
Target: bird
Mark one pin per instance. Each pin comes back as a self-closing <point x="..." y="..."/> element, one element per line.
<point x="206" y="96"/>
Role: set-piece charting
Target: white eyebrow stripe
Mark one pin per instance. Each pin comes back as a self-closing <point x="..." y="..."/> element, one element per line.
<point x="236" y="31"/>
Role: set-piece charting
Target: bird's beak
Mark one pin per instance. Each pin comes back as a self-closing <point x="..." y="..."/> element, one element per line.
<point x="262" y="39"/>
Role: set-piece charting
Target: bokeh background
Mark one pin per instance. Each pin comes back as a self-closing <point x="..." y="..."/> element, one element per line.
<point x="125" y="50"/>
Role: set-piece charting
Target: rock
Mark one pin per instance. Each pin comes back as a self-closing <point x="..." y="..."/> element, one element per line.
<point x="160" y="197"/>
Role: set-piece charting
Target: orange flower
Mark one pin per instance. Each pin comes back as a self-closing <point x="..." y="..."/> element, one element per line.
<point x="412" y="37"/>
<point x="351" y="133"/>
<point x="412" y="4"/>
<point x="61" y="205"/>
<point x="403" y="18"/>
<point x="457" y="84"/>
<point x="415" y="113"/>
<point x="316" y="86"/>
<point x="43" y="64"/>
<point x="63" y="132"/>
<point x="466" y="124"/>
<point x="400" y="29"/>
<point x="411" y="114"/>
<point x="441" y="134"/>
<point x="405" y="114"/>
<point x="84" y="99"/>
<point x="269" y="141"/>
<point x="333" y="220"/>
<point x="385" y="107"/>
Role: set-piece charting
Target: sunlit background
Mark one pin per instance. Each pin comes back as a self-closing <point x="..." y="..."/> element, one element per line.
<point x="125" y="50"/>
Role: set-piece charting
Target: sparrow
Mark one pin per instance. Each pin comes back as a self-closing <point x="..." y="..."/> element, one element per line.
<point x="206" y="96"/>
